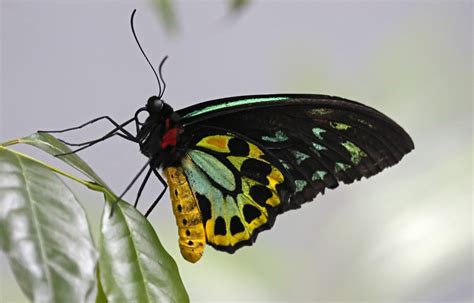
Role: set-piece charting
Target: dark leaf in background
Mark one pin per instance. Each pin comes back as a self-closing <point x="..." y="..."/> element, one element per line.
<point x="166" y="14"/>
<point x="44" y="232"/>
<point x="237" y="6"/>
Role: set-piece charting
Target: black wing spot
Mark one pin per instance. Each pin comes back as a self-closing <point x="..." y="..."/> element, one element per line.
<point x="283" y="191"/>
<point x="185" y="221"/>
<point x="256" y="170"/>
<point x="236" y="225"/>
<point x="238" y="147"/>
<point x="188" y="233"/>
<point x="260" y="194"/>
<point x="180" y="208"/>
<point x="219" y="227"/>
<point x="191" y="243"/>
<point x="251" y="212"/>
<point x="205" y="207"/>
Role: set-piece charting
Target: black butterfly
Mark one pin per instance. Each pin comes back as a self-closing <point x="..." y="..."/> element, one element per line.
<point x="234" y="164"/>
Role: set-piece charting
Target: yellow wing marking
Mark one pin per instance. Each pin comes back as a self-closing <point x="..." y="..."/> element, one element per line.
<point x="233" y="217"/>
<point x="274" y="178"/>
<point x="216" y="143"/>
<point x="230" y="239"/>
<point x="255" y="152"/>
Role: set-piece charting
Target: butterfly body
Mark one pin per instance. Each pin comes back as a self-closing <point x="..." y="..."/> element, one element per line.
<point x="192" y="237"/>
<point x="234" y="164"/>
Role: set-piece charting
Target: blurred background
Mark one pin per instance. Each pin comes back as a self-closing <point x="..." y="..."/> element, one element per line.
<point x="404" y="235"/>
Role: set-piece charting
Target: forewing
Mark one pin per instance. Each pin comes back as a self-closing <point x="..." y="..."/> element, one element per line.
<point x="319" y="140"/>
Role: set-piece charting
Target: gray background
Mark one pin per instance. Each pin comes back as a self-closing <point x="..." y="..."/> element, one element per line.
<point x="402" y="236"/>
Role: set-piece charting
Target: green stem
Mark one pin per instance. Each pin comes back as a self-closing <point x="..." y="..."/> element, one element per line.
<point x="10" y="142"/>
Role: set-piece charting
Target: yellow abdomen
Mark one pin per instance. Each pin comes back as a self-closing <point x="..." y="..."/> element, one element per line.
<point x="192" y="237"/>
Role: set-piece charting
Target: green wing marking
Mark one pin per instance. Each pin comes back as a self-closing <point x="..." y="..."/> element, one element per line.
<point x="233" y="103"/>
<point x="237" y="188"/>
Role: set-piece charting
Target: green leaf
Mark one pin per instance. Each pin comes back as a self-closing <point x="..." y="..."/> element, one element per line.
<point x="238" y="5"/>
<point x="44" y="232"/>
<point x="53" y="146"/>
<point x="167" y="14"/>
<point x="100" y="297"/>
<point x="134" y="266"/>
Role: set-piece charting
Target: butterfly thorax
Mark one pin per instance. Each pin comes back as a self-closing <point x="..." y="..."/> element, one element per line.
<point x="158" y="135"/>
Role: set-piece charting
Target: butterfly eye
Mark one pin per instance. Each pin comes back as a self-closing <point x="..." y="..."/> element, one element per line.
<point x="154" y="105"/>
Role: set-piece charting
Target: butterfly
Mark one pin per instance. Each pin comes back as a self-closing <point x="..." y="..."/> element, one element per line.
<point x="234" y="164"/>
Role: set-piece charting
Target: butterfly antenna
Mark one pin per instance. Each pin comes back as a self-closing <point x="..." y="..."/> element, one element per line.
<point x="161" y="75"/>
<point x="143" y="52"/>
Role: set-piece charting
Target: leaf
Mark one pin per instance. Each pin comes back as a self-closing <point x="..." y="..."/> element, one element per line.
<point x="167" y="14"/>
<point x="238" y="5"/>
<point x="53" y="146"/>
<point x="157" y="273"/>
<point x="44" y="232"/>
<point x="134" y="265"/>
<point x="100" y="297"/>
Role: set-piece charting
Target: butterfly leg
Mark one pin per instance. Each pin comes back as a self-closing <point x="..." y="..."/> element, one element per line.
<point x="110" y="134"/>
<point x="119" y="127"/>
<point x="83" y="125"/>
<point x="165" y="185"/>
<point x="142" y="186"/>
<point x="129" y="186"/>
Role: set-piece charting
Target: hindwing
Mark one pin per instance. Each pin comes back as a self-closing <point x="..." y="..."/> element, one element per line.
<point x="239" y="188"/>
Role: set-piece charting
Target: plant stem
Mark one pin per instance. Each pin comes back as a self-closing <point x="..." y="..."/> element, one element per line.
<point x="10" y="142"/>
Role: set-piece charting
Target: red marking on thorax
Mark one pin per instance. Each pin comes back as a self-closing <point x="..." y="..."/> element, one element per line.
<point x="170" y="137"/>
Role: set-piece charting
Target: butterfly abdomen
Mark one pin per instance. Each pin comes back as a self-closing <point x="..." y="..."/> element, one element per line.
<point x="192" y="238"/>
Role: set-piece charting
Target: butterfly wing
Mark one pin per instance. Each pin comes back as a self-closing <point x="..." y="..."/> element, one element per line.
<point x="238" y="186"/>
<point x="319" y="140"/>
<point x="248" y="159"/>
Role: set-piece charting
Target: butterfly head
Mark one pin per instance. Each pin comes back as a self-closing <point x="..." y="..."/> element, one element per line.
<point x="154" y="105"/>
<point x="159" y="130"/>
<point x="158" y="108"/>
